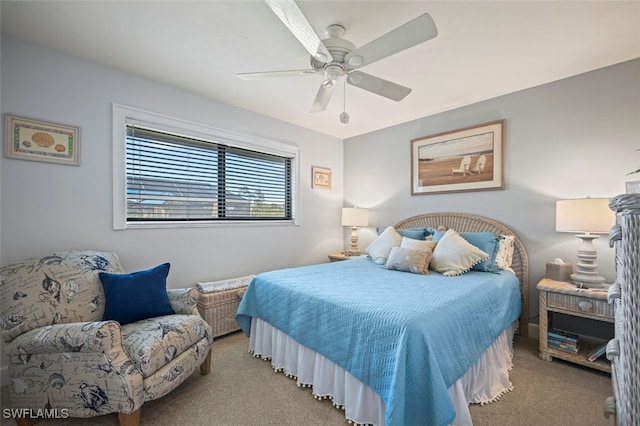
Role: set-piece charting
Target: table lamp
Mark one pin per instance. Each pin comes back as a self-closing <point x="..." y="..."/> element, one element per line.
<point x="354" y="217"/>
<point x="586" y="217"/>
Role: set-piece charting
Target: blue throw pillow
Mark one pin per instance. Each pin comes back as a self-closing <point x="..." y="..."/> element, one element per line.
<point x="488" y="242"/>
<point x="136" y="296"/>
<point x="415" y="233"/>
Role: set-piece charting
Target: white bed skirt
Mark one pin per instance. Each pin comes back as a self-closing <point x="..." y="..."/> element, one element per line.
<point x="485" y="382"/>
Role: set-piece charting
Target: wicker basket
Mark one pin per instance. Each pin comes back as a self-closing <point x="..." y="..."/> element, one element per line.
<point x="218" y="303"/>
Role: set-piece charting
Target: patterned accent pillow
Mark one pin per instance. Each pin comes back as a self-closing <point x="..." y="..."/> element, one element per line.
<point x="379" y="249"/>
<point x="504" y="257"/>
<point x="454" y="255"/>
<point x="418" y="244"/>
<point x="409" y="260"/>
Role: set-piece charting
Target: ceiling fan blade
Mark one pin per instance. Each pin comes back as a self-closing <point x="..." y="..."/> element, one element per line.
<point x="272" y="74"/>
<point x="293" y="18"/>
<point x="405" y="36"/>
<point x="377" y="85"/>
<point x="324" y="95"/>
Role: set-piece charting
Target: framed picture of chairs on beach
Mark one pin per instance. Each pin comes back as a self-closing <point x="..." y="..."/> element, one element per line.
<point x="468" y="159"/>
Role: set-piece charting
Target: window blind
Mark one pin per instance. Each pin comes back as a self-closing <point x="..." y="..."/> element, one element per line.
<point x="172" y="177"/>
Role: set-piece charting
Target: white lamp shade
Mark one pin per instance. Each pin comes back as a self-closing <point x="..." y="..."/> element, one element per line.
<point x="591" y="215"/>
<point x="355" y="217"/>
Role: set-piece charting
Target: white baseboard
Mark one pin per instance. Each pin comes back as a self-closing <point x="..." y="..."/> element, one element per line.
<point x="533" y="331"/>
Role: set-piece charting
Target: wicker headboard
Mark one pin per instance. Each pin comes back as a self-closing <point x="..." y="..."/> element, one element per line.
<point x="463" y="222"/>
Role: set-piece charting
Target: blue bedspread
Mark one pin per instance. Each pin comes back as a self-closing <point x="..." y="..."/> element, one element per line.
<point x="408" y="336"/>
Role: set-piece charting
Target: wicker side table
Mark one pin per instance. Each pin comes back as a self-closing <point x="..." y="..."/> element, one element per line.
<point x="556" y="296"/>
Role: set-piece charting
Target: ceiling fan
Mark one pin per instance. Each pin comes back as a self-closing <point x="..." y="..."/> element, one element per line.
<point x="335" y="57"/>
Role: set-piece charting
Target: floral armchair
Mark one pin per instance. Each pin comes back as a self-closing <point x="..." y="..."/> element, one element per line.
<point x="65" y="358"/>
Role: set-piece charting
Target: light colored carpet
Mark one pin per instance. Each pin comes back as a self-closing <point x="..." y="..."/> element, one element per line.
<point x="243" y="390"/>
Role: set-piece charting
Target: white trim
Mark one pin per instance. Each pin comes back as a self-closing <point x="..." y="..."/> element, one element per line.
<point x="123" y="115"/>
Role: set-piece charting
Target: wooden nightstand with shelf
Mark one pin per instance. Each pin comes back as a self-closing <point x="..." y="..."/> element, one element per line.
<point x="566" y="299"/>
<point x="339" y="256"/>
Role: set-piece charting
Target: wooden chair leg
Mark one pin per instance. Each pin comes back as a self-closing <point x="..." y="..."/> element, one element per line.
<point x="205" y="367"/>
<point x="25" y="421"/>
<point x="130" y="419"/>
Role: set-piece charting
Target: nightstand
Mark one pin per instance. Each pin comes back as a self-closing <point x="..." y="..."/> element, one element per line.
<point x="337" y="257"/>
<point x="565" y="298"/>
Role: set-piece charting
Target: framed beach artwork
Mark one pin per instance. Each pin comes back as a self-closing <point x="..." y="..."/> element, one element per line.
<point x="34" y="140"/>
<point x="320" y="178"/>
<point x="632" y="187"/>
<point x="468" y="159"/>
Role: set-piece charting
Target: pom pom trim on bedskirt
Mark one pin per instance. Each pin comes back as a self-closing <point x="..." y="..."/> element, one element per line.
<point x="484" y="383"/>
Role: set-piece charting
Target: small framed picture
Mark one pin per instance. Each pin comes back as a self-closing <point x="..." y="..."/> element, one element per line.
<point x="34" y="140"/>
<point x="320" y="178"/>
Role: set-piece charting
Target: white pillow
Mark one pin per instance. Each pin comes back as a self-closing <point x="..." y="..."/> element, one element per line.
<point x="504" y="257"/>
<point x="409" y="260"/>
<point x="453" y="255"/>
<point x="410" y="243"/>
<point x="379" y="249"/>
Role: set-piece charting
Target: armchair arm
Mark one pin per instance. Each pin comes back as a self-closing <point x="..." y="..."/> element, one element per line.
<point x="100" y="336"/>
<point x="184" y="300"/>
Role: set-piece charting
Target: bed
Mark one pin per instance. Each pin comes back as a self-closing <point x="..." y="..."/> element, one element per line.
<point x="393" y="347"/>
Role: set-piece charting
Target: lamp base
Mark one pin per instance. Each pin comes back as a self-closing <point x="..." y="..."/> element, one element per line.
<point x="587" y="280"/>
<point x="587" y="275"/>
<point x="354" y="250"/>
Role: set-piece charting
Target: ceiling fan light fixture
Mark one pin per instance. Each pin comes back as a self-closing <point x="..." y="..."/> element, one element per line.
<point x="333" y="72"/>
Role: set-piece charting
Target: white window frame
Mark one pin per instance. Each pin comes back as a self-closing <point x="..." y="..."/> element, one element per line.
<point x="123" y="115"/>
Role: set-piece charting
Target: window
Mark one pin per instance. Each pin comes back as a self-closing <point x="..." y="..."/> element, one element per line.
<point x="177" y="173"/>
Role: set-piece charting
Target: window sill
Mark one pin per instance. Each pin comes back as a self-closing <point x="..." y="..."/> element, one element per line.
<point x="225" y="224"/>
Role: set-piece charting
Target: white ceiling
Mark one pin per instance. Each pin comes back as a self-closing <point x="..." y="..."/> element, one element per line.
<point x="484" y="49"/>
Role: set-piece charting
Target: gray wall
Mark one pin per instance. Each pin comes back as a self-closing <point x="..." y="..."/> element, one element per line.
<point x="568" y="139"/>
<point x="49" y="207"/>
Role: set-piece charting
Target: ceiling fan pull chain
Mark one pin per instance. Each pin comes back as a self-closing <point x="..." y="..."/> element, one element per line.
<point x="344" y="117"/>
